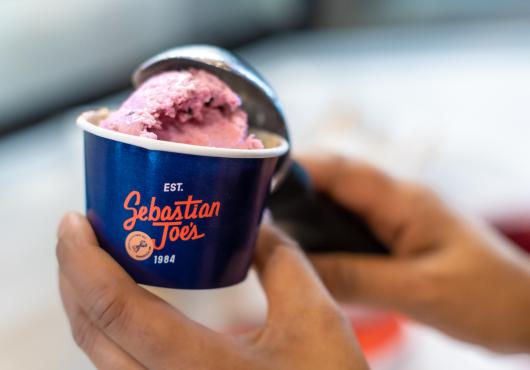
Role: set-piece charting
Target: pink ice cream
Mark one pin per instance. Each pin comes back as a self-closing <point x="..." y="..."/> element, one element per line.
<point x="187" y="106"/>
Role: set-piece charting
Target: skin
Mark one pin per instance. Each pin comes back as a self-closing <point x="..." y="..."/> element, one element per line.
<point x="120" y="325"/>
<point x="444" y="270"/>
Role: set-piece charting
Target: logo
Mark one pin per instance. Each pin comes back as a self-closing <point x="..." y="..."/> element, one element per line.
<point x="176" y="221"/>
<point x="139" y="245"/>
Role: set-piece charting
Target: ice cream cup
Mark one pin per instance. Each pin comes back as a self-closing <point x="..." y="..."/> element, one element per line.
<point x="176" y="215"/>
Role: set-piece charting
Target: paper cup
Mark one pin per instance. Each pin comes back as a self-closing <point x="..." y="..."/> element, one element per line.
<point x="176" y="215"/>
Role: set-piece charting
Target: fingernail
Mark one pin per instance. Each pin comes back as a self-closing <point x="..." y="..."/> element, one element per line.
<point x="64" y="224"/>
<point x="267" y="216"/>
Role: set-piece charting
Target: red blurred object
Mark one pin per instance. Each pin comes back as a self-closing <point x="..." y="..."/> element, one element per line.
<point x="516" y="228"/>
<point x="379" y="333"/>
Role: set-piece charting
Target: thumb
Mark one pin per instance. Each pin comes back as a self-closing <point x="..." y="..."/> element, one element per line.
<point x="288" y="279"/>
<point x="378" y="281"/>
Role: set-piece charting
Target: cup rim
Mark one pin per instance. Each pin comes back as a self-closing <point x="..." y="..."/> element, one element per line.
<point x="84" y="121"/>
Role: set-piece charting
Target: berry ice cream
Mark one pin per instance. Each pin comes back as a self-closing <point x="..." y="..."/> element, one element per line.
<point x="188" y="106"/>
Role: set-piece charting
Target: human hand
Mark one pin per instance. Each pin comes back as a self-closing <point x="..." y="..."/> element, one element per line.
<point x="445" y="271"/>
<point x="120" y="325"/>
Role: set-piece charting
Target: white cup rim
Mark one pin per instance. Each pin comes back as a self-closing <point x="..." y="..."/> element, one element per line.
<point x="85" y="122"/>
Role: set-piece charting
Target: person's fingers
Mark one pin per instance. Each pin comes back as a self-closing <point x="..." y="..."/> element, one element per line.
<point x="146" y="327"/>
<point x="408" y="218"/>
<point x="359" y="188"/>
<point x="353" y="184"/>
<point x="379" y="281"/>
<point x="292" y="287"/>
<point x="103" y="353"/>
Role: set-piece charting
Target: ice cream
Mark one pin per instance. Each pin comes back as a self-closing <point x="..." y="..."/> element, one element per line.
<point x="187" y="106"/>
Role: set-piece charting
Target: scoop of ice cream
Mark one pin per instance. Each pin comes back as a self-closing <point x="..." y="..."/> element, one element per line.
<point x="188" y="106"/>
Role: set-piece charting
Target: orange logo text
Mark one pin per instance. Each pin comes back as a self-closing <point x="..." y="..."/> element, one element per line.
<point x="175" y="220"/>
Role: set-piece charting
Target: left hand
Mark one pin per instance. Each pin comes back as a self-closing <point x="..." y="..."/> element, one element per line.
<point x="120" y="325"/>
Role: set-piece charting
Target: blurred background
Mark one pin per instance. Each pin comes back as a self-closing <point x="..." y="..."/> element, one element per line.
<point x="434" y="91"/>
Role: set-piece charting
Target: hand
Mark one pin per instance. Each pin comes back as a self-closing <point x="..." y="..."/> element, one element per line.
<point x="120" y="325"/>
<point x="444" y="271"/>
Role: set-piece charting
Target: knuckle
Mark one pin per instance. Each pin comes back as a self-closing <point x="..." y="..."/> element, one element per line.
<point x="107" y="308"/>
<point x="339" y="161"/>
<point x="340" y="166"/>
<point x="83" y="335"/>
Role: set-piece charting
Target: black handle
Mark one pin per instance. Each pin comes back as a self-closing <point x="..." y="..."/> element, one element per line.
<point x="316" y="222"/>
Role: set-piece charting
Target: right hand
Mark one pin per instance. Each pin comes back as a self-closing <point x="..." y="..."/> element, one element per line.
<point x="459" y="277"/>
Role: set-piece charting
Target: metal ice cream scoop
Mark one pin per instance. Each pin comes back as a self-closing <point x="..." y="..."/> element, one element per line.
<point x="316" y="222"/>
<point x="258" y="98"/>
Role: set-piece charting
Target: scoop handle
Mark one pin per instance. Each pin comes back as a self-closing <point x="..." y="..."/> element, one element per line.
<point x="315" y="221"/>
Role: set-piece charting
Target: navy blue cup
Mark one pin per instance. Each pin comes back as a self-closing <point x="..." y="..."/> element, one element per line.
<point x="176" y="215"/>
